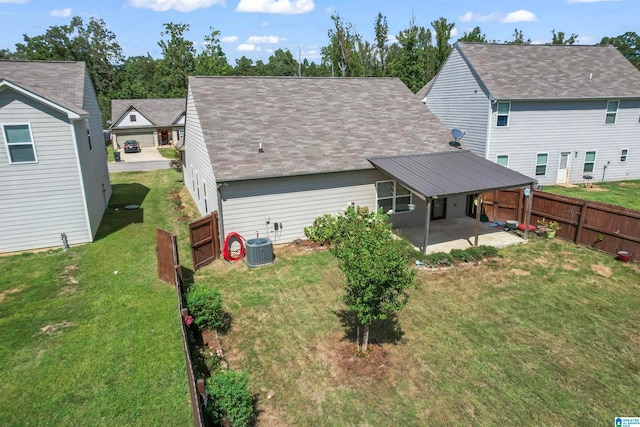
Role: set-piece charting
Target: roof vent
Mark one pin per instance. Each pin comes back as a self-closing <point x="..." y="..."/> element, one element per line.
<point x="590" y="77"/>
<point x="260" y="150"/>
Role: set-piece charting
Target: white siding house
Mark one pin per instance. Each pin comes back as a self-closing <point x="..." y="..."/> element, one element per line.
<point x="53" y="163"/>
<point x="556" y="113"/>
<point x="272" y="154"/>
<point x="152" y="122"/>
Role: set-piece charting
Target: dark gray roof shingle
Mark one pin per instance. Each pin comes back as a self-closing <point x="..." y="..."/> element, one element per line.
<point x="61" y="82"/>
<point x="160" y="111"/>
<point x="511" y="71"/>
<point x="309" y="125"/>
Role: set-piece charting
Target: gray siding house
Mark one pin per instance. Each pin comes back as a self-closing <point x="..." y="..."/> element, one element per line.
<point x="152" y="122"/>
<point x="53" y="163"/>
<point x="556" y="113"/>
<point x="271" y="154"/>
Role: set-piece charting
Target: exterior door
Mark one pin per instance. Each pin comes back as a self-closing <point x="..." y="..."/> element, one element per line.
<point x="439" y="209"/>
<point x="563" y="168"/>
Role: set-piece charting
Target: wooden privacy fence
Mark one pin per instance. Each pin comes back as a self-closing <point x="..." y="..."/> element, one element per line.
<point x="204" y="235"/>
<point x="170" y="271"/>
<point x="606" y="227"/>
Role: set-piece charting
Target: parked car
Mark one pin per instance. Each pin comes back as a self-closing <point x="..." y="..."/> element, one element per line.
<point x="131" y="146"/>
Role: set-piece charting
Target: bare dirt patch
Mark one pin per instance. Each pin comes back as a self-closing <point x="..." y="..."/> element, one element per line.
<point x="67" y="273"/>
<point x="55" y="329"/>
<point x="541" y="261"/>
<point x="4" y="294"/>
<point x="570" y="267"/>
<point x="519" y="272"/>
<point x="596" y="189"/>
<point x="602" y="270"/>
<point x="68" y="290"/>
<point x="183" y="218"/>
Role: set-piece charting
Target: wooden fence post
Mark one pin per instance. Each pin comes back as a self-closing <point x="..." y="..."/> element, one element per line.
<point x="583" y="215"/>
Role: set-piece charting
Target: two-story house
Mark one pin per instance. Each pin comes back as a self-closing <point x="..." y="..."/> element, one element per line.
<point x="556" y="113"/>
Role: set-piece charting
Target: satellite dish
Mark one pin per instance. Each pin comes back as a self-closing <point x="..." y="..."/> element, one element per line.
<point x="457" y="134"/>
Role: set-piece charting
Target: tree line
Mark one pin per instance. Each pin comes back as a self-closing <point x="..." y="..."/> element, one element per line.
<point x="414" y="55"/>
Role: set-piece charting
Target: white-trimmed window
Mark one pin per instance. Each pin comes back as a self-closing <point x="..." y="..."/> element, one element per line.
<point x="86" y="124"/>
<point x="204" y="196"/>
<point x="198" y="185"/>
<point x="541" y="163"/>
<point x="589" y="161"/>
<point x="612" y="112"/>
<point x="18" y="139"/>
<point x="624" y="153"/>
<point x="503" y="160"/>
<point x="193" y="179"/>
<point x="392" y="196"/>
<point x="503" y="109"/>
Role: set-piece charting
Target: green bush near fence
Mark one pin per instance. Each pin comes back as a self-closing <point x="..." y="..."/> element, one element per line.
<point x="205" y="305"/>
<point x="230" y="400"/>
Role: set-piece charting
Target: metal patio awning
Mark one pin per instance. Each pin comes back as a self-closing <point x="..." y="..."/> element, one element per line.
<point x="449" y="173"/>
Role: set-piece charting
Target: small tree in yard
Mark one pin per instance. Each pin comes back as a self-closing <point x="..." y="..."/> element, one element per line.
<point x="375" y="266"/>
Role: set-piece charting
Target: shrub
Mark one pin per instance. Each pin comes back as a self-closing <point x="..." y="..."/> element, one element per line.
<point x="205" y="305"/>
<point x="436" y="259"/>
<point x="461" y="255"/>
<point x="230" y="400"/>
<point x="323" y="229"/>
<point x="176" y="162"/>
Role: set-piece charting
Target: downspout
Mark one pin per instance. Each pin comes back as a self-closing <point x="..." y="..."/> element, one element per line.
<point x="426" y="226"/>
<point x="489" y="121"/>
<point x="220" y="220"/>
<point x="82" y="187"/>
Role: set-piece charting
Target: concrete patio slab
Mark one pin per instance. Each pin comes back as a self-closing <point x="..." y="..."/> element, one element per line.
<point x="457" y="233"/>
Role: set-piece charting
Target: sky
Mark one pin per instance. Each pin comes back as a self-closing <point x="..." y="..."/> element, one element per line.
<point x="255" y="28"/>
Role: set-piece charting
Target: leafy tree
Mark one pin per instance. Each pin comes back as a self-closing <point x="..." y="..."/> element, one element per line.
<point x="282" y="63"/>
<point x="212" y="61"/>
<point x="518" y="38"/>
<point x="473" y="36"/>
<point x="375" y="266"/>
<point x="443" y="34"/>
<point x="177" y="62"/>
<point x="628" y="44"/>
<point x="409" y="64"/>
<point x="342" y="51"/>
<point x="6" y="54"/>
<point x="559" y="38"/>
<point x="382" y="32"/>
<point x="244" y="67"/>
<point x="137" y="77"/>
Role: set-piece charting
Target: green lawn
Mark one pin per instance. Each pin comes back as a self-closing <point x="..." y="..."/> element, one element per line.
<point x="545" y="335"/>
<point x="168" y="153"/>
<point x="82" y="345"/>
<point x="623" y="193"/>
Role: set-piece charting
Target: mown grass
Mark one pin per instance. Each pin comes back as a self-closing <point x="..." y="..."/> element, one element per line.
<point x="545" y="335"/>
<point x="168" y="153"/>
<point x="622" y="193"/>
<point x="113" y="353"/>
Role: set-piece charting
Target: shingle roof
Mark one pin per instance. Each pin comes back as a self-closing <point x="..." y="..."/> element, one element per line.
<point x="457" y="172"/>
<point x="309" y="125"/>
<point x="160" y="111"/>
<point x="425" y="90"/>
<point x="61" y="82"/>
<point x="511" y="71"/>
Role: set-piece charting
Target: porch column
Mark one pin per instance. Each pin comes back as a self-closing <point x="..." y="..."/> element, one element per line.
<point x="426" y="226"/>
<point x="478" y="213"/>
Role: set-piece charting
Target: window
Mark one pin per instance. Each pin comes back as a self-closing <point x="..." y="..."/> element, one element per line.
<point x="503" y="160"/>
<point x="132" y="117"/>
<point x="198" y="185"/>
<point x="204" y="195"/>
<point x="503" y="113"/>
<point x="19" y="142"/>
<point x="541" y="164"/>
<point x="612" y="112"/>
<point x="86" y="123"/>
<point x="193" y="181"/>
<point x="393" y="197"/>
<point x="623" y="155"/>
<point x="589" y="161"/>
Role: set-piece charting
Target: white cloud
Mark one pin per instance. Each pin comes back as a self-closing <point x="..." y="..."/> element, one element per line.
<point x="265" y="39"/>
<point x="454" y="32"/>
<point x="229" y="39"/>
<point x="246" y="47"/>
<point x="179" y="5"/>
<point x="475" y="17"/>
<point x="588" y="1"/>
<point x="61" y="13"/>
<point x="519" y="16"/>
<point x="586" y="40"/>
<point x="264" y="24"/>
<point x="285" y="7"/>
<point x="13" y="1"/>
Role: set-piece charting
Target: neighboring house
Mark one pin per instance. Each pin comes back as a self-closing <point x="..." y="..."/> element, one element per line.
<point x="151" y="122"/>
<point x="556" y="113"/>
<point x="271" y="154"/>
<point x="53" y="161"/>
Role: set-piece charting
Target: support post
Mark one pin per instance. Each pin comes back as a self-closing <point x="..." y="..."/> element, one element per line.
<point x="426" y="227"/>
<point x="529" y="203"/>
<point x="478" y="214"/>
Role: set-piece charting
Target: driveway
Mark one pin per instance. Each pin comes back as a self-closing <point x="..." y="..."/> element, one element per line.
<point x="147" y="159"/>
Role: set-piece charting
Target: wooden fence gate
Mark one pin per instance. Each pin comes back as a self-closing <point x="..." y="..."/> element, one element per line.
<point x="204" y="235"/>
<point x="169" y="268"/>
